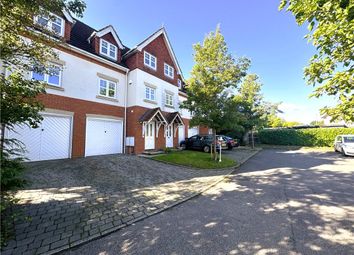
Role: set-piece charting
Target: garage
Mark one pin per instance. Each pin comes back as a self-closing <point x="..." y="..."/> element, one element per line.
<point x="103" y="136"/>
<point x="51" y="140"/>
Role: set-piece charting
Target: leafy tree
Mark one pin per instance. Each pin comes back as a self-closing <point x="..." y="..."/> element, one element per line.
<point x="24" y="47"/>
<point x="215" y="71"/>
<point x="291" y="123"/>
<point x="275" y="121"/>
<point x="252" y="108"/>
<point x="331" y="30"/>
<point x="317" y="123"/>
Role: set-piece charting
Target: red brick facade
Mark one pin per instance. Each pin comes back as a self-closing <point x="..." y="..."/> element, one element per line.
<point x="134" y="129"/>
<point x="159" y="49"/>
<point x="109" y="38"/>
<point x="67" y="30"/>
<point x="203" y="130"/>
<point x="80" y="108"/>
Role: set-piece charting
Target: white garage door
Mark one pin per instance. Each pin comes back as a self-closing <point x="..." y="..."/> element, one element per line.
<point x="51" y="140"/>
<point x="193" y="131"/>
<point x="103" y="136"/>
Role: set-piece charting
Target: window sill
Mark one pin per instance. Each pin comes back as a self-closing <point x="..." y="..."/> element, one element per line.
<point x="169" y="77"/>
<point x="48" y="86"/>
<point x="169" y="106"/>
<point x="150" y="101"/>
<point x="151" y="68"/>
<point x="108" y="57"/>
<point x="107" y="98"/>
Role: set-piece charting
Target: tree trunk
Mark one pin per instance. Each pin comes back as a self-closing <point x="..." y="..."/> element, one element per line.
<point x="211" y="151"/>
<point x="245" y="138"/>
<point x="252" y="139"/>
<point x="215" y="152"/>
<point x="2" y="141"/>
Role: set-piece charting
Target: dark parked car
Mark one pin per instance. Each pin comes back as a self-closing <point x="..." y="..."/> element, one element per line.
<point x="231" y="143"/>
<point x="201" y="142"/>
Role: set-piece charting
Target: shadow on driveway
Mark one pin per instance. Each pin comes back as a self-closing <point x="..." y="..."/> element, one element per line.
<point x="280" y="202"/>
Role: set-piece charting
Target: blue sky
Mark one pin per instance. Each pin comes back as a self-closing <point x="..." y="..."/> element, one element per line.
<point x="252" y="28"/>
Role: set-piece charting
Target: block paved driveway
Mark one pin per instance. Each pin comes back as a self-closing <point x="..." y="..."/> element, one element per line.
<point x="73" y="201"/>
<point x="280" y="202"/>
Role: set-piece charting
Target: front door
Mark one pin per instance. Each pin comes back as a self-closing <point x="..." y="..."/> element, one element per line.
<point x="169" y="136"/>
<point x="150" y="136"/>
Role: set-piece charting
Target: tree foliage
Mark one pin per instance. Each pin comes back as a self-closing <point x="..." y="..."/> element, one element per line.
<point x="275" y="121"/>
<point x="24" y="47"/>
<point x="302" y="137"/>
<point x="214" y="72"/>
<point x="253" y="111"/>
<point x="317" y="123"/>
<point x="331" y="70"/>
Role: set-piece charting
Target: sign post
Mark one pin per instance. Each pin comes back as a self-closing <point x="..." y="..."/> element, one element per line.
<point x="220" y="148"/>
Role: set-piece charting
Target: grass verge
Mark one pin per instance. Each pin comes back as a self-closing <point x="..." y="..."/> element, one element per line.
<point x="195" y="159"/>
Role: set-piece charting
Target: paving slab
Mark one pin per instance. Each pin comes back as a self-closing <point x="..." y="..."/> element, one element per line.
<point x="73" y="201"/>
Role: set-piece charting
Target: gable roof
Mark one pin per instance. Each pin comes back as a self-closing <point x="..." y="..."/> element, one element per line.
<point x="151" y="38"/>
<point x="150" y="114"/>
<point x="172" y="116"/>
<point x="68" y="16"/>
<point x="79" y="35"/>
<point x="106" y="30"/>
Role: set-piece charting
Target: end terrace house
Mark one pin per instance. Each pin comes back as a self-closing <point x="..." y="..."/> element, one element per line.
<point x="103" y="97"/>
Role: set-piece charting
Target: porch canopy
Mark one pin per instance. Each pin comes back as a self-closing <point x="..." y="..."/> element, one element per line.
<point x="175" y="120"/>
<point x="153" y="115"/>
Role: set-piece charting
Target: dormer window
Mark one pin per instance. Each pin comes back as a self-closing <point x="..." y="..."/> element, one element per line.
<point x="54" y="23"/>
<point x="108" y="49"/>
<point x="169" y="71"/>
<point x="149" y="60"/>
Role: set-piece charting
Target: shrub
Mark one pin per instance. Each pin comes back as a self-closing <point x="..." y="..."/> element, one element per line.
<point x="167" y="150"/>
<point x="11" y="179"/>
<point x="302" y="137"/>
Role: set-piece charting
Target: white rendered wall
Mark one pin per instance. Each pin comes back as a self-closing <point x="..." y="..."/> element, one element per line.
<point x="80" y="80"/>
<point x="184" y="113"/>
<point x="136" y="91"/>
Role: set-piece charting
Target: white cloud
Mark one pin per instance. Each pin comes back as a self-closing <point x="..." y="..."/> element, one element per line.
<point x="300" y="113"/>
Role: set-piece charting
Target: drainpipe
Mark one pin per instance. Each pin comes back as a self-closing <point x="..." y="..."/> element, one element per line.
<point x="125" y="111"/>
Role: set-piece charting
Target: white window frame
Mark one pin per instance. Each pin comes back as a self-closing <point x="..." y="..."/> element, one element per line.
<point x="169" y="99"/>
<point x="109" y="45"/>
<point x="179" y="82"/>
<point x="46" y="76"/>
<point x="107" y="88"/>
<point x="150" y="89"/>
<point x="150" y="56"/>
<point x="170" y="71"/>
<point x="50" y="23"/>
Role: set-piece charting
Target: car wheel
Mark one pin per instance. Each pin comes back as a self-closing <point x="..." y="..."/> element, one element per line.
<point x="183" y="146"/>
<point x="343" y="153"/>
<point x="229" y="148"/>
<point x="206" y="148"/>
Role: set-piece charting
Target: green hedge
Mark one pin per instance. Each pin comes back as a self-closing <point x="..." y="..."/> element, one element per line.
<point x="302" y="137"/>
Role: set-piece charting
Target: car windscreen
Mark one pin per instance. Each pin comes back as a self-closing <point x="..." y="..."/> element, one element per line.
<point x="348" y="139"/>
